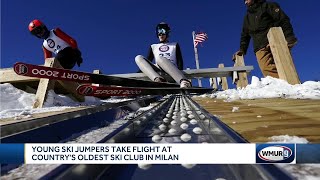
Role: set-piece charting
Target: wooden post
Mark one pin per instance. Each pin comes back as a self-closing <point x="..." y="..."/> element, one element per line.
<point x="223" y="79"/>
<point x="242" y="76"/>
<point x="8" y="75"/>
<point x="44" y="85"/>
<point x="282" y="56"/>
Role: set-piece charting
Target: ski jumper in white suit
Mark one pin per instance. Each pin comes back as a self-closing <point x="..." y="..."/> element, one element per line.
<point x="167" y="57"/>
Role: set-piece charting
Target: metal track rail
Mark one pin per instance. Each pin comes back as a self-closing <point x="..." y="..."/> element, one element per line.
<point x="166" y="123"/>
<point x="61" y="127"/>
<point x="48" y="129"/>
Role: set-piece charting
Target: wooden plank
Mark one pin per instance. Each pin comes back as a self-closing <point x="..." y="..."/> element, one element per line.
<point x="8" y="75"/>
<point x="44" y="85"/>
<point x="224" y="79"/>
<point x="242" y="76"/>
<point x="258" y="120"/>
<point x="282" y="56"/>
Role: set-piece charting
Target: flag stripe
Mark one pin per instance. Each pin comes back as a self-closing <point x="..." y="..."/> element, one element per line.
<point x="199" y="38"/>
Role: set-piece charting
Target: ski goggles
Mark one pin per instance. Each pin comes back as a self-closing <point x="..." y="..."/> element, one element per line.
<point x="162" y="32"/>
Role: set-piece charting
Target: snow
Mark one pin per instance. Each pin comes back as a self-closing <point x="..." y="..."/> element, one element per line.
<point x="17" y="104"/>
<point x="234" y="109"/>
<point x="288" y="139"/>
<point x="270" y="88"/>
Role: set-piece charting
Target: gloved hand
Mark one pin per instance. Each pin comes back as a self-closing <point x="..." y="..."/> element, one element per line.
<point x="79" y="61"/>
<point x="238" y="53"/>
<point x="77" y="52"/>
<point x="291" y="41"/>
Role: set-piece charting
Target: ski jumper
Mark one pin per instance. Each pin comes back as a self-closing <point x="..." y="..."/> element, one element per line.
<point x="167" y="57"/>
<point x="64" y="47"/>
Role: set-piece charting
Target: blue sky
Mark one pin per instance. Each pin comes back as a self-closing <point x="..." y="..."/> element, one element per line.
<point x="111" y="33"/>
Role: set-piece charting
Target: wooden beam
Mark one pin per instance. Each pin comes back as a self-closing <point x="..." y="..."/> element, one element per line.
<point x="44" y="85"/>
<point x="224" y="79"/>
<point x="242" y="80"/>
<point x="8" y="75"/>
<point x="282" y="56"/>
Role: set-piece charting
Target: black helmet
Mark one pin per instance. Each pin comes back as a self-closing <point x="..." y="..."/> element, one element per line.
<point x="162" y="28"/>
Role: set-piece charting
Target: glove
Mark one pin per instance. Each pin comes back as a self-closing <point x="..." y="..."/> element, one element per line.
<point x="291" y="41"/>
<point x="238" y="53"/>
<point x="79" y="61"/>
<point x="77" y="52"/>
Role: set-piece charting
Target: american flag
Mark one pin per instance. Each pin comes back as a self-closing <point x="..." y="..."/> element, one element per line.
<point x="199" y="38"/>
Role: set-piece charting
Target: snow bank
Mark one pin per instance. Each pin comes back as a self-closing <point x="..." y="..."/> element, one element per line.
<point x="18" y="104"/>
<point x="13" y="98"/>
<point x="288" y="139"/>
<point x="270" y="88"/>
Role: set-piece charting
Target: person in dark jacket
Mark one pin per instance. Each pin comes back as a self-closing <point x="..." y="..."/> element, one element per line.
<point x="167" y="56"/>
<point x="260" y="17"/>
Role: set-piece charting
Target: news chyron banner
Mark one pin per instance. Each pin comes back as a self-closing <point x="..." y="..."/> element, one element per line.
<point x="150" y="153"/>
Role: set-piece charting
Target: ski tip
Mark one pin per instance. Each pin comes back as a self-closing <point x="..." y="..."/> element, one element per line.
<point x="85" y="90"/>
<point x="20" y="68"/>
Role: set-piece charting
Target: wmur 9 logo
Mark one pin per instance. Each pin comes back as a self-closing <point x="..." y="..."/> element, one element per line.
<point x="275" y="153"/>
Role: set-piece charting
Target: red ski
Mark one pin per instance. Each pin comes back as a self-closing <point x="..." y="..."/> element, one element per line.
<point x="31" y="70"/>
<point x="89" y="90"/>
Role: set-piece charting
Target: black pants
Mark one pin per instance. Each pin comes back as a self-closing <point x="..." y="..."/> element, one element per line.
<point x="68" y="57"/>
